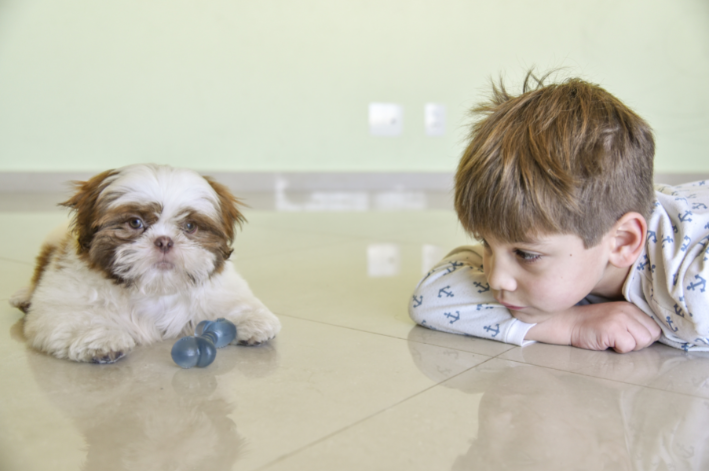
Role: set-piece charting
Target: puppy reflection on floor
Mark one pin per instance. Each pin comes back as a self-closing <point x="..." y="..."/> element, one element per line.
<point x="143" y="416"/>
<point x="146" y="258"/>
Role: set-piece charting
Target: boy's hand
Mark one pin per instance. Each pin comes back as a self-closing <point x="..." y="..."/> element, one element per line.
<point x="620" y="325"/>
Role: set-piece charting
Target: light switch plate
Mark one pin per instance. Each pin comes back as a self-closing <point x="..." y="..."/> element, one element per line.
<point x="434" y="119"/>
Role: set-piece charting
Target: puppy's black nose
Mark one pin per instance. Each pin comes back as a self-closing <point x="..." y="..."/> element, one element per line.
<point x="163" y="243"/>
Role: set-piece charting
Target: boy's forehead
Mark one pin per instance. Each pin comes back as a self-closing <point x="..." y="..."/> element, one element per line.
<point x="537" y="240"/>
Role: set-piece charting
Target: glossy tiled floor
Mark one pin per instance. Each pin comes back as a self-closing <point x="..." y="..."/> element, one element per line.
<point x="350" y="383"/>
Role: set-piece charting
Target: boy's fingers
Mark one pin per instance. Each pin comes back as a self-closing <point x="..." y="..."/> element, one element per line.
<point x="648" y="322"/>
<point x="651" y="326"/>
<point x="625" y="342"/>
<point x="643" y="334"/>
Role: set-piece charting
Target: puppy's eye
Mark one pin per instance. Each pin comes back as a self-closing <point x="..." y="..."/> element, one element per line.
<point x="190" y="227"/>
<point x="135" y="223"/>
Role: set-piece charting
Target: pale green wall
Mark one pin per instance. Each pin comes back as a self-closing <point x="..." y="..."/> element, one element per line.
<point x="283" y="85"/>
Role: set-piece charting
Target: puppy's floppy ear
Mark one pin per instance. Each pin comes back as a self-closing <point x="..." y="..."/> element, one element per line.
<point x="229" y="206"/>
<point x="84" y="204"/>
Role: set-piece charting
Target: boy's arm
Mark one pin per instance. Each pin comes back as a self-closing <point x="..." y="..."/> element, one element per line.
<point x="619" y="325"/>
<point x="455" y="297"/>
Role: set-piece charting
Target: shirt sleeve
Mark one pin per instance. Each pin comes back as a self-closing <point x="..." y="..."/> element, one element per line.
<point x="455" y="297"/>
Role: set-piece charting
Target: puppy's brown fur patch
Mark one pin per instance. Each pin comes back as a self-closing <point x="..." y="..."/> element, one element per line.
<point x="112" y="231"/>
<point x="46" y="254"/>
<point x="229" y="205"/>
<point x="43" y="260"/>
<point x="85" y="204"/>
<point x="212" y="236"/>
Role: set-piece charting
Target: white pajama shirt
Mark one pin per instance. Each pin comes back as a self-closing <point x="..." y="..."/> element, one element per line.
<point x="668" y="281"/>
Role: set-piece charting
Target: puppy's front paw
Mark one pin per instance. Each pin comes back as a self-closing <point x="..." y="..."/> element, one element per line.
<point x="256" y="328"/>
<point x="101" y="347"/>
<point x="22" y="299"/>
<point x="107" y="357"/>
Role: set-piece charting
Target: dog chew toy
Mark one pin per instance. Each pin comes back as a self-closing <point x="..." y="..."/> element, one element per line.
<point x="201" y="349"/>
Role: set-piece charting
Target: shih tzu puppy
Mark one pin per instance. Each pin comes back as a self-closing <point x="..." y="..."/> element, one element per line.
<point x="145" y="258"/>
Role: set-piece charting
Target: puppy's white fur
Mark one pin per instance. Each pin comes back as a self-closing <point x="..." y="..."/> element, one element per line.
<point x="103" y="286"/>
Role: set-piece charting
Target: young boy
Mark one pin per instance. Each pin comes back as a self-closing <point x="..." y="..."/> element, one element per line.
<point x="577" y="247"/>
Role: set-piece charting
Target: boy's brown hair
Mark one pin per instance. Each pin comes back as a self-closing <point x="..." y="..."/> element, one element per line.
<point x="565" y="158"/>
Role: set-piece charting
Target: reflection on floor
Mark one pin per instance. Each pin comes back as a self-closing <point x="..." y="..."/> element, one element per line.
<point x="350" y="383"/>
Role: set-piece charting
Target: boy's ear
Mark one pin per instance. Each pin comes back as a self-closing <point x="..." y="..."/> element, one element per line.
<point x="627" y="239"/>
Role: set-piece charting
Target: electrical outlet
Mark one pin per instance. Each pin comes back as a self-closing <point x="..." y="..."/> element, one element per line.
<point x="385" y="119"/>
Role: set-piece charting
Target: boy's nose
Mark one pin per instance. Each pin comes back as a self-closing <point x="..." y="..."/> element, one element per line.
<point x="500" y="278"/>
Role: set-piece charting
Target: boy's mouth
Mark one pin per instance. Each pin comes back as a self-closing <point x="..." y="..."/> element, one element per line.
<point x="511" y="306"/>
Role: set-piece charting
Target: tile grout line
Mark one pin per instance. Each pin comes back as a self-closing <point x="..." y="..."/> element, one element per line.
<point x="364" y="419"/>
<point x="498" y="357"/>
<point x="654" y="388"/>
<point x="5" y="259"/>
<point x="392" y="336"/>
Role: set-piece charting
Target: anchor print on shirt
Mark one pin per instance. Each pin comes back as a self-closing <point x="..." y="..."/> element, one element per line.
<point x="483" y="286"/>
<point x="453" y="267"/>
<point x="652" y="235"/>
<point x="418" y="301"/>
<point x="496" y="329"/>
<point x="455" y="317"/>
<point x="701" y="283"/>
<point x="685" y="243"/>
<point x="645" y="263"/>
<point x="678" y="309"/>
<point x="686" y="216"/>
<point x="667" y="240"/>
<point x="445" y="290"/>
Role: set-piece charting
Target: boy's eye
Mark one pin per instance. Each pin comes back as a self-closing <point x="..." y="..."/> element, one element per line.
<point x="527" y="256"/>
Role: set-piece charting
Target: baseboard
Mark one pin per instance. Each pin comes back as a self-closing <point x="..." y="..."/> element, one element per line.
<point x="57" y="182"/>
<point x="240" y="182"/>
